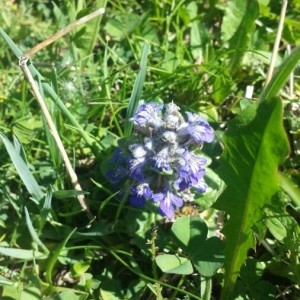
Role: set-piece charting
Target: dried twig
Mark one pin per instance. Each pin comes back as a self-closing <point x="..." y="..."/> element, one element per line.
<point x="36" y="91"/>
<point x="64" y="31"/>
<point x="277" y="41"/>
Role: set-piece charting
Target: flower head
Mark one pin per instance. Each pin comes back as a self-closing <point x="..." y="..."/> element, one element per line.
<point x="159" y="160"/>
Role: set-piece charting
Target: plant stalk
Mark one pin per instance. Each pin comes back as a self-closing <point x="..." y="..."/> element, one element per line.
<point x="54" y="132"/>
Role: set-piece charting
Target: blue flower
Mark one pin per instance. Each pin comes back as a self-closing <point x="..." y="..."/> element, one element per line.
<point x="136" y="166"/>
<point x="139" y="194"/>
<point x="168" y="201"/>
<point x="201" y="186"/>
<point x="148" y="115"/>
<point x="190" y="171"/>
<point x="120" y="170"/>
<point x="161" y="161"/>
<point x="197" y="129"/>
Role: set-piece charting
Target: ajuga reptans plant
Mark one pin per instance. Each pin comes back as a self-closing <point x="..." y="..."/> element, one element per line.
<point x="161" y="158"/>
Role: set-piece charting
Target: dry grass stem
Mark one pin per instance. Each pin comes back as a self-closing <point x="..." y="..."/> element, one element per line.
<point x="64" y="31"/>
<point x="277" y="41"/>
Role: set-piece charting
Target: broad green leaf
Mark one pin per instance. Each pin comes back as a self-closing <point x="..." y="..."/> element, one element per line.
<point x="174" y="264"/>
<point x="25" y="129"/>
<point x="111" y="290"/>
<point x="137" y="90"/>
<point x="31" y="293"/>
<point x="5" y="281"/>
<point x="67" y="295"/>
<point x="255" y="144"/>
<point x="234" y="13"/>
<point x="22" y="253"/>
<point x="122" y="25"/>
<point x="209" y="256"/>
<point x="80" y="268"/>
<point x="239" y="42"/>
<point x="275" y="225"/>
<point x="23" y="170"/>
<point x="189" y="233"/>
<point x="215" y="188"/>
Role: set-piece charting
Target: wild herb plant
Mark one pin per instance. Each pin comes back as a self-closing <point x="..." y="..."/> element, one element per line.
<point x="184" y="187"/>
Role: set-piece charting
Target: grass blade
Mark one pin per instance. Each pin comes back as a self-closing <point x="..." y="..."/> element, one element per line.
<point x="22" y="254"/>
<point x="281" y="76"/>
<point x="29" y="181"/>
<point x="46" y="86"/>
<point x="137" y="90"/>
<point x="54" y="257"/>
<point x="33" y="233"/>
<point x="18" y="53"/>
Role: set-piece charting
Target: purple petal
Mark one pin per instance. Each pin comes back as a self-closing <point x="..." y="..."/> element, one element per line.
<point x="136" y="168"/>
<point x="197" y="128"/>
<point x="167" y="203"/>
<point x="139" y="194"/>
<point x="161" y="161"/>
<point x="148" y="115"/>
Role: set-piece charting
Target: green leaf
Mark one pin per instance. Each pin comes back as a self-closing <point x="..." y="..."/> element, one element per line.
<point x="223" y="86"/>
<point x="122" y="25"/>
<point x="22" y="253"/>
<point x="239" y="42"/>
<point x="22" y="169"/>
<point x="54" y="257"/>
<point x="111" y="290"/>
<point x="31" y="293"/>
<point x="275" y="225"/>
<point x="18" y="53"/>
<point x="67" y="295"/>
<point x="174" y="264"/>
<point x="233" y="15"/>
<point x="137" y="90"/>
<point x="255" y="144"/>
<point x="281" y="75"/>
<point x="33" y="233"/>
<point x="5" y="281"/>
<point x="80" y="268"/>
<point x="63" y="194"/>
<point x="215" y="187"/>
<point x="291" y="189"/>
<point x="101" y="228"/>
<point x="209" y="256"/>
<point x="189" y="233"/>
